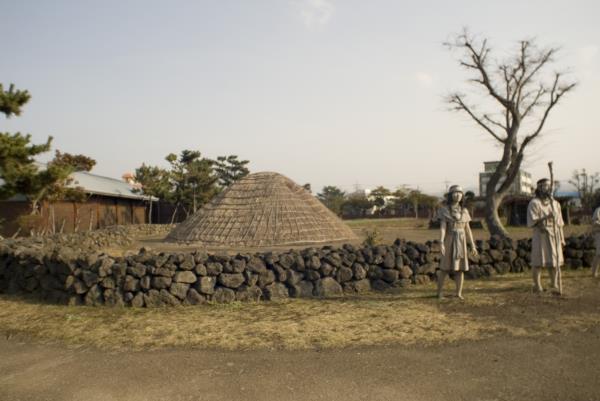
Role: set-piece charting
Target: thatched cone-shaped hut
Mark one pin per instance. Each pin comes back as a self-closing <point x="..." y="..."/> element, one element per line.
<point x="262" y="209"/>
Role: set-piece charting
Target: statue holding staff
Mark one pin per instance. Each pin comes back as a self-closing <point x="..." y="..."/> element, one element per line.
<point x="454" y="229"/>
<point x="544" y="217"/>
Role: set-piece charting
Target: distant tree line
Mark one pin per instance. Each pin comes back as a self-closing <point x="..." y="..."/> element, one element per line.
<point x="379" y="202"/>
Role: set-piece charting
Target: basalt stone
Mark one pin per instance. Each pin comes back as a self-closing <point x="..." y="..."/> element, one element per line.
<point x="359" y="271"/>
<point x="327" y="287"/>
<point x="474" y="272"/>
<point x="302" y="289"/>
<point x="313" y="262"/>
<point x="206" y="285"/>
<point x="251" y="279"/>
<point x="266" y="278"/>
<point x="412" y="253"/>
<point x="163" y="271"/>
<point x="359" y="287"/>
<point x="390" y="275"/>
<point x="79" y="287"/>
<point x="224" y="295"/>
<point x="145" y="282"/>
<point x="333" y="259"/>
<point x="248" y="294"/>
<point x="179" y="290"/>
<point x="187" y="277"/>
<point x="374" y="272"/>
<point x="48" y="282"/>
<point x="294" y="277"/>
<point x="200" y="257"/>
<point x="312" y="275"/>
<point x="509" y="255"/>
<point x="159" y="260"/>
<point x="137" y="270"/>
<point x="161" y="282"/>
<point x="489" y="270"/>
<point x="89" y="278"/>
<point x="271" y="258"/>
<point x="299" y="264"/>
<point x="238" y="265"/>
<point x="485" y="259"/>
<point x="138" y="300"/>
<point x="502" y="267"/>
<point x="377" y="260"/>
<point x="214" y="269"/>
<point x="280" y="273"/>
<point x="108" y="282"/>
<point x="94" y="297"/>
<point x="380" y="285"/>
<point x="31" y="283"/>
<point x="113" y="297"/>
<point x="389" y="261"/>
<point x="200" y="269"/>
<point x="344" y="274"/>
<point x="193" y="297"/>
<point x="166" y="298"/>
<point x="275" y="292"/>
<point x="119" y="270"/>
<point x="422" y="248"/>
<point x="405" y="272"/>
<point x="326" y="269"/>
<point x="103" y="266"/>
<point x="256" y="265"/>
<point x="231" y="280"/>
<point x="188" y="262"/>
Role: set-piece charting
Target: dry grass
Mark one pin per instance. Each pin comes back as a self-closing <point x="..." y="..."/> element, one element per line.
<point x="417" y="229"/>
<point x="494" y="307"/>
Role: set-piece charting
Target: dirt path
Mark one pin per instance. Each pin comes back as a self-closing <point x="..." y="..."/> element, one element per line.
<point x="559" y="367"/>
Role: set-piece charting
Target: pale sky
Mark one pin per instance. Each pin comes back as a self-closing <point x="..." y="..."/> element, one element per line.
<point x="323" y="91"/>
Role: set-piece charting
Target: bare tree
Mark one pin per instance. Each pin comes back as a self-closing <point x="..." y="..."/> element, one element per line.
<point x="521" y="92"/>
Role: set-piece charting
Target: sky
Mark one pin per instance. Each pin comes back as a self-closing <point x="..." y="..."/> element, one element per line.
<point x="327" y="92"/>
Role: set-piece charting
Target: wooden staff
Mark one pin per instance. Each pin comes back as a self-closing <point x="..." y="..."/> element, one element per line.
<point x="555" y="230"/>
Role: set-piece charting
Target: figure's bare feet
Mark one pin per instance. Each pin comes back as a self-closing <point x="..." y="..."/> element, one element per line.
<point x="459" y="296"/>
<point x="440" y="295"/>
<point x="538" y="290"/>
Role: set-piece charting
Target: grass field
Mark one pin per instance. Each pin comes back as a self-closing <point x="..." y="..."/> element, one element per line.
<point x="417" y="229"/>
<point x="503" y="306"/>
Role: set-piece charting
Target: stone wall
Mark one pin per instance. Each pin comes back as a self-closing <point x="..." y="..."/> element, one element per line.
<point x="63" y="274"/>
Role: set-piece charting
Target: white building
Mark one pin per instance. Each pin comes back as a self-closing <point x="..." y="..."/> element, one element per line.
<point x="523" y="184"/>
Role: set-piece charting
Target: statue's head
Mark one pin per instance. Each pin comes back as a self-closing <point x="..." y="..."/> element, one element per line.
<point x="542" y="189"/>
<point x="455" y="195"/>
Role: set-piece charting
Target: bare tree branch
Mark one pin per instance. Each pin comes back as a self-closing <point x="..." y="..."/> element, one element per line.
<point x="460" y="105"/>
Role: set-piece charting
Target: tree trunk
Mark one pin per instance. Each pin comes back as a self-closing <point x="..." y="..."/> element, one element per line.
<point x="492" y="219"/>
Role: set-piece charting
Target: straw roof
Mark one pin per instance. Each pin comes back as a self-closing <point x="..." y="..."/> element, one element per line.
<point x="262" y="209"/>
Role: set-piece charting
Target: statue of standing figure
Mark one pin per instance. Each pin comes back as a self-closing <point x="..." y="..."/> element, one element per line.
<point x="454" y="229"/>
<point x="596" y="233"/>
<point x="544" y="216"/>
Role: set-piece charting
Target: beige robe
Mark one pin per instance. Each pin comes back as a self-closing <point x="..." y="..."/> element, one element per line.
<point x="455" y="240"/>
<point x="596" y="230"/>
<point x="546" y="249"/>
